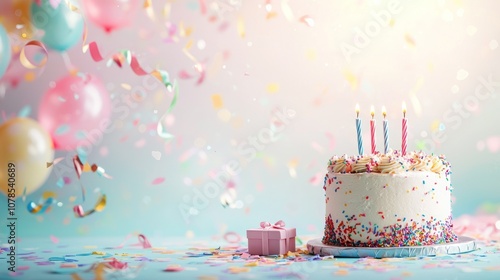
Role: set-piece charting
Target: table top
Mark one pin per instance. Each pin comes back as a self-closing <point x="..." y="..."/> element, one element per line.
<point x="215" y="258"/>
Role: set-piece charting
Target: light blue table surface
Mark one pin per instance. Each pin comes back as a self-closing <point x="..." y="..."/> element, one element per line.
<point x="41" y="258"/>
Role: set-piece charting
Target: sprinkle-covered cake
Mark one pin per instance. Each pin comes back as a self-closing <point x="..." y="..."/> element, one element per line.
<point x="388" y="200"/>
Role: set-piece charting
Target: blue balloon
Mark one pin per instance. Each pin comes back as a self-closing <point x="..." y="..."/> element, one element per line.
<point x="5" y="52"/>
<point x="63" y="27"/>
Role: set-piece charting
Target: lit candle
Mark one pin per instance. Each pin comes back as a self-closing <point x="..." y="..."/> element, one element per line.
<point x="405" y="131"/>
<point x="386" y="131"/>
<point x="358" y="130"/>
<point x="372" y="129"/>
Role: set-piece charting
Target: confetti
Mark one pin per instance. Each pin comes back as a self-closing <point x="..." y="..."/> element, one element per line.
<point x="81" y="167"/>
<point x="241" y="27"/>
<point x="26" y="62"/>
<point x="217" y="101"/>
<point x="99" y="206"/>
<point x="287" y="10"/>
<point x="272" y="88"/>
<point x="174" y="268"/>
<point x="158" y="181"/>
<point x="307" y="20"/>
<point x="156" y="155"/>
<point x="34" y="208"/>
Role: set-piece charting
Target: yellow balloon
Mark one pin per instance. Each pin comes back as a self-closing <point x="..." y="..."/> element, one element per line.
<point x="25" y="149"/>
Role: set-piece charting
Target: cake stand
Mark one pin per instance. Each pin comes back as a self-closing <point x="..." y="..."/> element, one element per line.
<point x="464" y="244"/>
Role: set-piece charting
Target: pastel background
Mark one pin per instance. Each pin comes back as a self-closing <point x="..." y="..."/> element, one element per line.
<point x="290" y="71"/>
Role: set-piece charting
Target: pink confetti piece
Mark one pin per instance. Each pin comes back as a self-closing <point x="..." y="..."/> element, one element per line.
<point x="158" y="181"/>
<point x="173" y="268"/>
<point x="54" y="239"/>
<point x="331" y="143"/>
<point x="140" y="143"/>
<point x="493" y="144"/>
<point x="307" y="20"/>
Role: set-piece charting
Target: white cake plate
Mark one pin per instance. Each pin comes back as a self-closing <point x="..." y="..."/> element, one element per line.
<point x="462" y="245"/>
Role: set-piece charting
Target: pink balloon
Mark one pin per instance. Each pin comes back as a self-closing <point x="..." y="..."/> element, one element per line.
<point x="76" y="112"/>
<point x="111" y="14"/>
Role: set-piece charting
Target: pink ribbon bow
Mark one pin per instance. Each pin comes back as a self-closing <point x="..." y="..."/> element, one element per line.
<point x="266" y="225"/>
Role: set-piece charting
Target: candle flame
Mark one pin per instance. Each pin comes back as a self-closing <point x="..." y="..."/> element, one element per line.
<point x="384" y="112"/>
<point x="372" y="111"/>
<point x="357" y="110"/>
<point x="404" y="108"/>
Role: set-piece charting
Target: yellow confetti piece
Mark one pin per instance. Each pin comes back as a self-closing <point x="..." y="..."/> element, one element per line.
<point x="342" y="272"/>
<point x="48" y="194"/>
<point x="351" y="79"/>
<point x="435" y="126"/>
<point x="251" y="264"/>
<point x="29" y="76"/>
<point x="126" y="86"/>
<point x="149" y="9"/>
<point x="224" y="115"/>
<point x="409" y="40"/>
<point x="166" y="10"/>
<point x="311" y="54"/>
<point x="75" y="276"/>
<point x="99" y="253"/>
<point x="271" y="15"/>
<point x="287" y="10"/>
<point x="241" y="27"/>
<point x="217" y="102"/>
<point x="189" y="44"/>
<point x="293" y="163"/>
<point x="236" y="270"/>
<point x="272" y="88"/>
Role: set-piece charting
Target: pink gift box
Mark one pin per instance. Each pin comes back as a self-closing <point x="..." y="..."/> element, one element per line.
<point x="271" y="240"/>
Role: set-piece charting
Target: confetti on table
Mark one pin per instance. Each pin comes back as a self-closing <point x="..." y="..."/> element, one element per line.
<point x="174" y="268"/>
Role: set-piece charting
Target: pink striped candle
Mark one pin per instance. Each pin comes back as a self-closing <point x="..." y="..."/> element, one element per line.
<point x="372" y="130"/>
<point x="405" y="131"/>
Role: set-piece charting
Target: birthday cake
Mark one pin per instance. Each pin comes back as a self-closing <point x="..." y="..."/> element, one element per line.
<point x="388" y="200"/>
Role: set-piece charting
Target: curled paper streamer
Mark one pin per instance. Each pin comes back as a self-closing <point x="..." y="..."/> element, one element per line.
<point x="144" y="241"/>
<point x="121" y="57"/>
<point x="34" y="208"/>
<point x="99" y="206"/>
<point x="26" y="62"/>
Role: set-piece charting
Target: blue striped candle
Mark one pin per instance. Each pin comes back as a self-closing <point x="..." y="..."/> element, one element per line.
<point x="358" y="130"/>
<point x="386" y="131"/>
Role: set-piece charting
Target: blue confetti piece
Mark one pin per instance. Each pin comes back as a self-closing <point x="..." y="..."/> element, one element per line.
<point x="24" y="112"/>
<point x="60" y="182"/>
<point x="62" y="129"/>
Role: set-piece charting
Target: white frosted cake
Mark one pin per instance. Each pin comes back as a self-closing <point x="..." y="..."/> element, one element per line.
<point x="388" y="200"/>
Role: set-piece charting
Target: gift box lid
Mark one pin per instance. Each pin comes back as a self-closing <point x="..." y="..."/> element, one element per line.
<point x="273" y="233"/>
